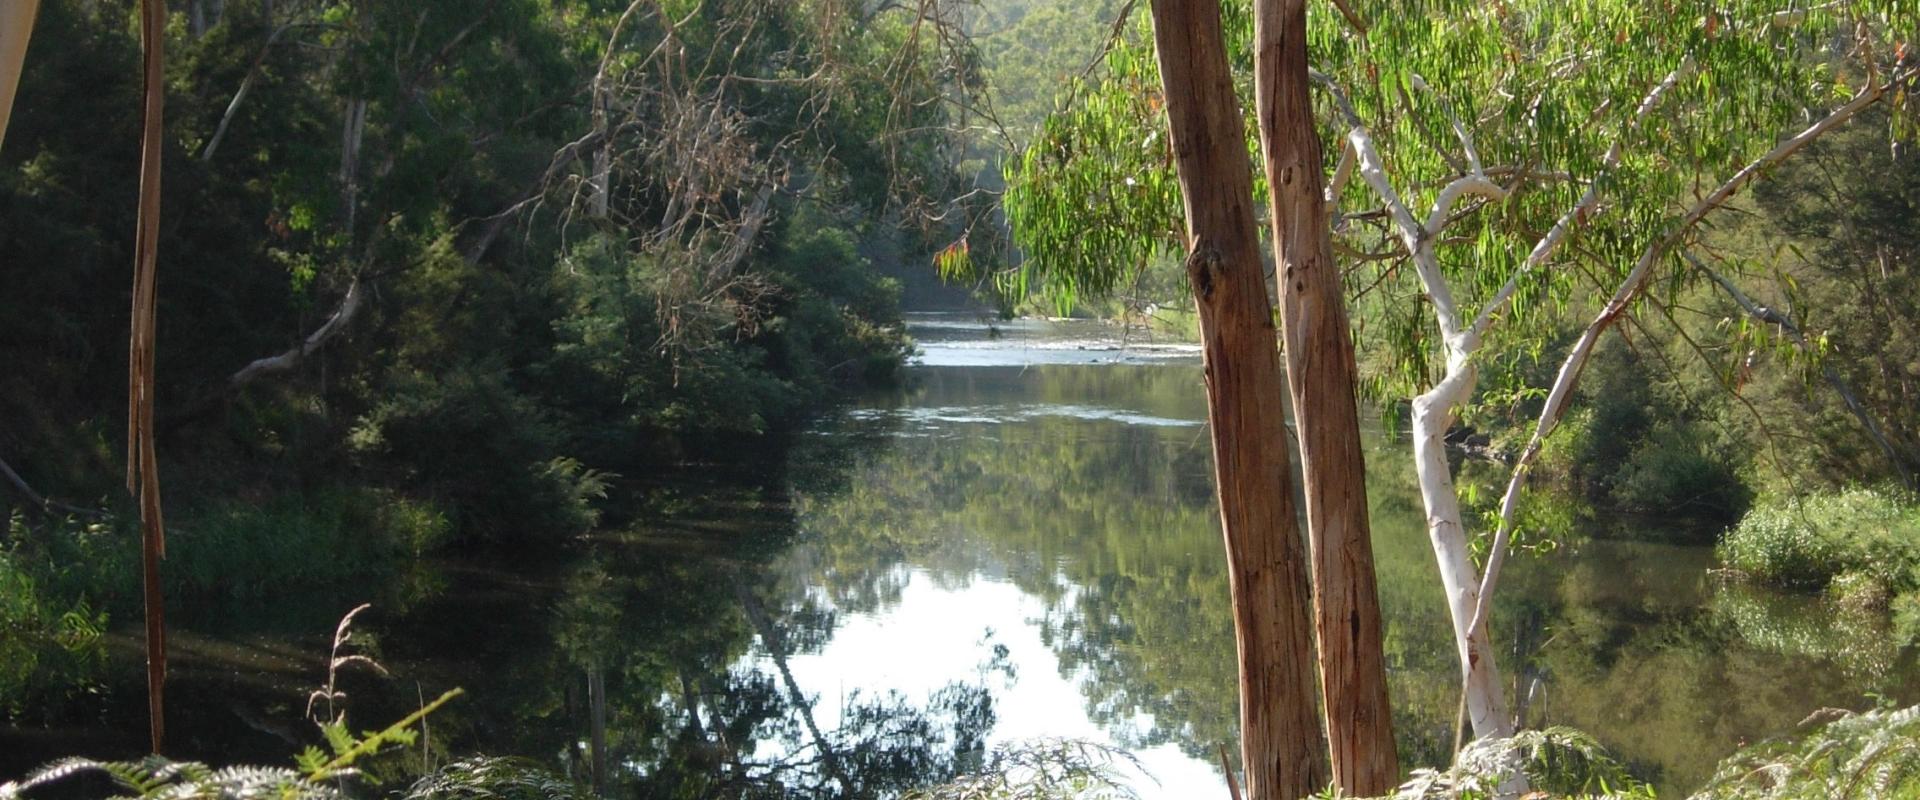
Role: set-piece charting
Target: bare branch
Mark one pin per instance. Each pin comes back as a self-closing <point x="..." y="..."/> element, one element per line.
<point x="1841" y="387"/>
<point x="41" y="502"/>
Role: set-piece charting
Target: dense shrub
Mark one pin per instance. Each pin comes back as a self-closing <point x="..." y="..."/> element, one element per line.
<point x="1807" y="543"/>
<point x="46" y="646"/>
<point x="1640" y="445"/>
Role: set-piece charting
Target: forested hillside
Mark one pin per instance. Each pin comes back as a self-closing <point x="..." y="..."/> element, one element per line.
<point x="569" y="354"/>
<point x="481" y="255"/>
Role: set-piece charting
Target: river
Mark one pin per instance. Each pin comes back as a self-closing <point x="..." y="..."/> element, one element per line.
<point x="1018" y="547"/>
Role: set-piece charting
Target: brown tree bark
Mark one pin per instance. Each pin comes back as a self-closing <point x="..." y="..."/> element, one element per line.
<point x="1282" y="749"/>
<point x="16" y="27"/>
<point x="1321" y="373"/>
<point x="143" y="464"/>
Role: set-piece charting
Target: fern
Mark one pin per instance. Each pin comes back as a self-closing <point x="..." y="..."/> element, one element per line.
<point x="487" y="778"/>
<point x="1870" y="755"/>
<point x="156" y="778"/>
<point x="317" y="776"/>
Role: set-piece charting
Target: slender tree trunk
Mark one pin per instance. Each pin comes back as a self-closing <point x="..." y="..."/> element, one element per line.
<point x="16" y="27"/>
<point x="1283" y="751"/>
<point x="143" y="476"/>
<point x="597" y="727"/>
<point x="353" y="129"/>
<point x="1321" y="372"/>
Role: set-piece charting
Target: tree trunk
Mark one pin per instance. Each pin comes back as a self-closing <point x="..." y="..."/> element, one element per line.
<point x="1321" y="373"/>
<point x="597" y="727"/>
<point x="16" y="27"/>
<point x="353" y="130"/>
<point x="1432" y="413"/>
<point x="1281" y="745"/>
<point x="143" y="463"/>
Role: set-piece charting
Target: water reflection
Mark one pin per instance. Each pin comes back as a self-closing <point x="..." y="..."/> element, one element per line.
<point x="1022" y="544"/>
<point x="1076" y="485"/>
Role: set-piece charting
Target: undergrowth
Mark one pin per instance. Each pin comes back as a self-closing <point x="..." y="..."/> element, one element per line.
<point x="1858" y="543"/>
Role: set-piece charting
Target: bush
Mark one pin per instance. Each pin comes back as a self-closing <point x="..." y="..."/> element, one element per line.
<point x="47" y="647"/>
<point x="1805" y="544"/>
<point x="1676" y="471"/>
<point x="490" y="778"/>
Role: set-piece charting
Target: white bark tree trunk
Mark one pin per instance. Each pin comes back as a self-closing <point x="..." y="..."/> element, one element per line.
<point x="1433" y="412"/>
<point x="353" y="130"/>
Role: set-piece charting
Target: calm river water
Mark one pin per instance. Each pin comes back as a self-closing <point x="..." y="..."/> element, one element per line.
<point x="1018" y="547"/>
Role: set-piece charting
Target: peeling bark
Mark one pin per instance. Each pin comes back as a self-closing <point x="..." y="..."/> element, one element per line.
<point x="1283" y="750"/>
<point x="143" y="477"/>
<point x="1322" y="375"/>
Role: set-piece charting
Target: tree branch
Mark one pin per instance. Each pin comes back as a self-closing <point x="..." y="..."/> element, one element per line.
<point x="1630" y="289"/>
<point x="1840" y="386"/>
<point x="41" y="502"/>
<point x="1581" y="210"/>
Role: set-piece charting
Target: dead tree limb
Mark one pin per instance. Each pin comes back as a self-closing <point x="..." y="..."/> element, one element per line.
<point x="41" y="502"/>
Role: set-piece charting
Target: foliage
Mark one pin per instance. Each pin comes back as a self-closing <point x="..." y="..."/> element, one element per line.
<point x="1806" y="543"/>
<point x="1041" y="770"/>
<point x="1557" y="762"/>
<point x="1871" y="754"/>
<point x="1842" y="267"/>
<point x="48" y="646"/>
<point x="431" y="167"/>
<point x="156" y="777"/>
<point x="318" y="777"/>
<point x="491" y="778"/>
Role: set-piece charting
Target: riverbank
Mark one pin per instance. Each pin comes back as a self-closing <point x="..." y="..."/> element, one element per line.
<point x="1018" y="543"/>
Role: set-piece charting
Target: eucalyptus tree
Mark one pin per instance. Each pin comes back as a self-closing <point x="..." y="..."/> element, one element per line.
<point x="1281" y="742"/>
<point x="1510" y="155"/>
<point x="1322" y="375"/>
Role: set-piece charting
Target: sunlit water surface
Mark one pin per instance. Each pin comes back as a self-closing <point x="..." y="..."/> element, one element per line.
<point x="1019" y="547"/>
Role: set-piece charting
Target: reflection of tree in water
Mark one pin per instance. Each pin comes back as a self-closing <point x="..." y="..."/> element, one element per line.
<point x="1109" y="524"/>
<point x="669" y="628"/>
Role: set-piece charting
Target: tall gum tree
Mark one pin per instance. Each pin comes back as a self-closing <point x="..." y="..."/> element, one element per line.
<point x="1516" y="162"/>
<point x="1322" y="376"/>
<point x="1281" y="746"/>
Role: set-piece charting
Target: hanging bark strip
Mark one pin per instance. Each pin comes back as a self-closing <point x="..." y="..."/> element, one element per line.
<point x="16" y="26"/>
<point x="1283" y="751"/>
<point x="143" y="476"/>
<point x="1321" y="373"/>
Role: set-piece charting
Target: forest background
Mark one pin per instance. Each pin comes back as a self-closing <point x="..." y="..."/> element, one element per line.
<point x="451" y="278"/>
